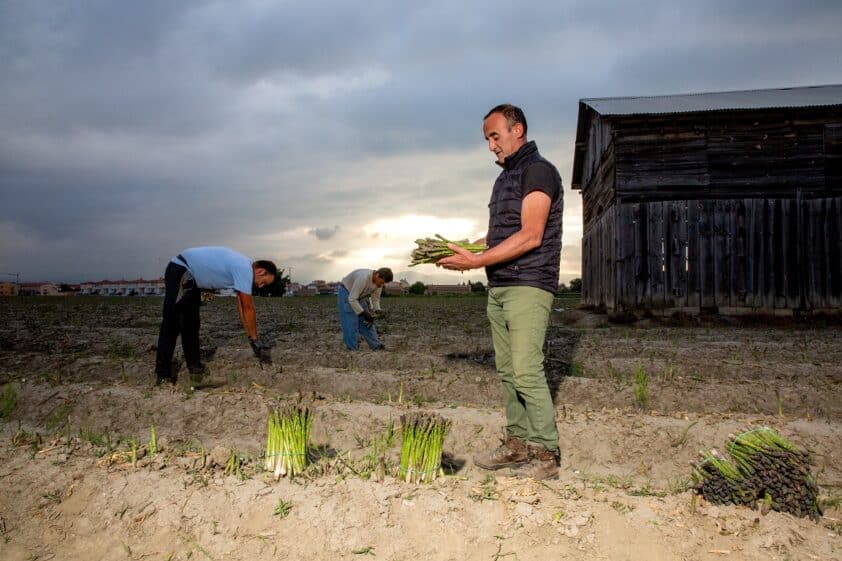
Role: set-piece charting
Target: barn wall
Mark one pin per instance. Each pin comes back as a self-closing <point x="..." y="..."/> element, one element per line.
<point x="725" y="255"/>
<point x="598" y="249"/>
<point x="741" y="154"/>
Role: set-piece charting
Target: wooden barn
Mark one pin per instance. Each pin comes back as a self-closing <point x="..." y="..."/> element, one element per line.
<point x="725" y="202"/>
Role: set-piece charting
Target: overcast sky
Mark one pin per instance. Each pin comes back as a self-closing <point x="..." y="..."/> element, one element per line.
<point x="327" y="136"/>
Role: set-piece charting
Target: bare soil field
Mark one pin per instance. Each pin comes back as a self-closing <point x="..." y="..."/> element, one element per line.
<point x="79" y="372"/>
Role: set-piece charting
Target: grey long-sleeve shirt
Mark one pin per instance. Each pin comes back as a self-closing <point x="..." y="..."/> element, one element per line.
<point x="359" y="286"/>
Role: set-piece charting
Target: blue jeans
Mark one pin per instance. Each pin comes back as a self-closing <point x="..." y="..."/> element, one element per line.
<point x="353" y="325"/>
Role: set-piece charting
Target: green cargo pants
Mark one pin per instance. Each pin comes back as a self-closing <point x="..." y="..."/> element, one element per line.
<point x="519" y="316"/>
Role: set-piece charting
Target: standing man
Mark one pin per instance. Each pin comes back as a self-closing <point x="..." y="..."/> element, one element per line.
<point x="187" y="274"/>
<point x="359" y="299"/>
<point x="522" y="263"/>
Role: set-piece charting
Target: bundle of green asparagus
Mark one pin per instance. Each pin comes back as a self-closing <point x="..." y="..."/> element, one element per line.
<point x="779" y="471"/>
<point x="431" y="250"/>
<point x="423" y="436"/>
<point x="287" y="441"/>
<point x="763" y="466"/>
<point x="719" y="481"/>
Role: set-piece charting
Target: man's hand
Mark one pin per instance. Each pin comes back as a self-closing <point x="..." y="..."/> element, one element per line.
<point x="367" y="317"/>
<point x="261" y="350"/>
<point x="461" y="260"/>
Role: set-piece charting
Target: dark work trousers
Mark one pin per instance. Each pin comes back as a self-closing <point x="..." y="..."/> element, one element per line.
<point x="180" y="318"/>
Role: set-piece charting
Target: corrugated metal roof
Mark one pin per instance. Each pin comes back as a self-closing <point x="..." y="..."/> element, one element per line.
<point x="689" y="103"/>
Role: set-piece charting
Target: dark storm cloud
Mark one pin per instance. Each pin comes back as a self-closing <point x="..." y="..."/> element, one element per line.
<point x="324" y="233"/>
<point x="132" y="131"/>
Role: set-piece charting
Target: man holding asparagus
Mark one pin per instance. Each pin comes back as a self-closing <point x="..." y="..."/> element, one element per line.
<point x="522" y="264"/>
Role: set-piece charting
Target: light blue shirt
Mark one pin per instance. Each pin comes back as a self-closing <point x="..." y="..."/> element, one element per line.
<point x="218" y="267"/>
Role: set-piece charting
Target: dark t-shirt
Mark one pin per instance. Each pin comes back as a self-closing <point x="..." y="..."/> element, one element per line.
<point x="541" y="176"/>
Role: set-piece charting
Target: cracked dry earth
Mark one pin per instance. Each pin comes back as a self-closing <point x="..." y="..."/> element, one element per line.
<point x="80" y="371"/>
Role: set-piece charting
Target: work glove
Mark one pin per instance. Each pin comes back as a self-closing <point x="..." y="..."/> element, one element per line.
<point x="261" y="350"/>
<point x="368" y="319"/>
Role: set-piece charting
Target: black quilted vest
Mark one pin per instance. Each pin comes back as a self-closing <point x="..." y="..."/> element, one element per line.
<point x="539" y="267"/>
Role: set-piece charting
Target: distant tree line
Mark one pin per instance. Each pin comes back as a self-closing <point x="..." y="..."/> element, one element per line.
<point x="419" y="288"/>
<point x="575" y="286"/>
<point x="278" y="288"/>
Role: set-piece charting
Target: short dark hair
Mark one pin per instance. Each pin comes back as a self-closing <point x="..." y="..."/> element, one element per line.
<point x="385" y="273"/>
<point x="512" y="113"/>
<point x="267" y="266"/>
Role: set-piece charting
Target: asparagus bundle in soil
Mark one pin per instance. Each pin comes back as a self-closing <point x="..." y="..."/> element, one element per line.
<point x="423" y="436"/>
<point x="779" y="470"/>
<point x="287" y="440"/>
<point x="719" y="481"/>
<point x="431" y="250"/>
<point x="765" y="466"/>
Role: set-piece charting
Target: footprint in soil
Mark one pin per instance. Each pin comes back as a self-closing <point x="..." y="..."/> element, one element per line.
<point x="209" y="384"/>
<point x="486" y="358"/>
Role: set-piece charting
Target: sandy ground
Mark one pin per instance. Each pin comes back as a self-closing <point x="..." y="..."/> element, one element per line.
<point x="81" y="371"/>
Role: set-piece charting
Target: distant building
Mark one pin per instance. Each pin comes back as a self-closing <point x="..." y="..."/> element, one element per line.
<point x="308" y="290"/>
<point x="396" y="288"/>
<point x="49" y="289"/>
<point x="30" y="288"/>
<point x="438" y="289"/>
<point x="138" y="287"/>
<point x="315" y="288"/>
<point x="9" y="289"/>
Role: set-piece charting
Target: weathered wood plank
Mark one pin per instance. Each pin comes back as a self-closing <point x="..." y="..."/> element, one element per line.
<point x="641" y="269"/>
<point x="800" y="250"/>
<point x="752" y="253"/>
<point x="814" y="283"/>
<point x="835" y="242"/>
<point x="707" y="255"/>
<point x="598" y="194"/>
<point x="738" y="253"/>
<point x="769" y="254"/>
<point x="693" y="262"/>
<point x="780" y="238"/>
<point x="791" y="267"/>
<point x="833" y="156"/>
<point x="760" y="258"/>
<point x="721" y="254"/>
<point x="655" y="284"/>
<point x="674" y="259"/>
<point x="608" y="258"/>
<point x="823" y="250"/>
<point x="627" y="239"/>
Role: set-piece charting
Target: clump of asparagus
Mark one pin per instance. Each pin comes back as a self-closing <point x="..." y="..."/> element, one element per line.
<point x="779" y="470"/>
<point x="287" y="440"/>
<point x="719" y="480"/>
<point x="423" y="435"/>
<point x="431" y="250"/>
<point x="153" y="441"/>
<point x="765" y="466"/>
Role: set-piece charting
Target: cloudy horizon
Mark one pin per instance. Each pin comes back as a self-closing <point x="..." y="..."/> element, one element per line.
<point x="325" y="136"/>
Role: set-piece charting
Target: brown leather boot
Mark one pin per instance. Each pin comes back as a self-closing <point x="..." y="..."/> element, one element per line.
<point x="511" y="453"/>
<point x="542" y="464"/>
